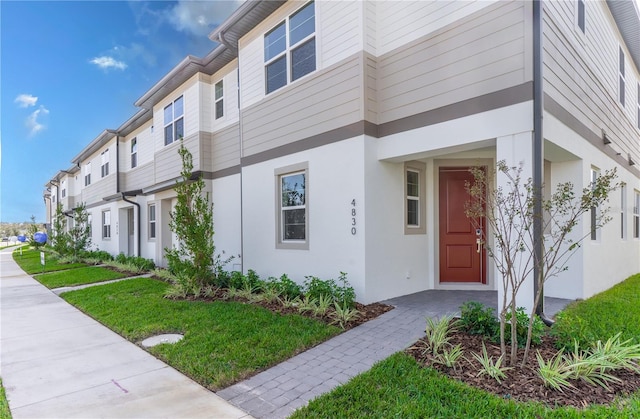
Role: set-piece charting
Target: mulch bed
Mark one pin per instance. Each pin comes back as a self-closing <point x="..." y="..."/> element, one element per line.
<point x="523" y="384"/>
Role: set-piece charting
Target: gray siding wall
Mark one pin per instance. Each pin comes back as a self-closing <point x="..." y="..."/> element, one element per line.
<point x="580" y="73"/>
<point x="99" y="189"/>
<point x="138" y="178"/>
<point x="481" y="53"/>
<point x="167" y="161"/>
<point x="328" y="99"/>
<point x="225" y="148"/>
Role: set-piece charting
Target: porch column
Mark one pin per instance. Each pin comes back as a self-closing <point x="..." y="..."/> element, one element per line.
<point x="516" y="150"/>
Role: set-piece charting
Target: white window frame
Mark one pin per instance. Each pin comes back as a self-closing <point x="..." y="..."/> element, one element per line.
<point x="594" y="211"/>
<point x="106" y="224"/>
<point x="63" y="185"/>
<point x="581" y="24"/>
<point x="280" y="174"/>
<point x="151" y="222"/>
<point x="623" y="211"/>
<point x="104" y="163"/>
<point x="218" y="100"/>
<point x="289" y="49"/>
<point x="419" y="169"/>
<point x="636" y="214"/>
<point x="172" y="118"/>
<point x="87" y="174"/>
<point x="134" y="152"/>
<point x="638" y="96"/>
<point x="621" y="76"/>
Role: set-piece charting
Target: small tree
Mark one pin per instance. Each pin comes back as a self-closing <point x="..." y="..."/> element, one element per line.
<point x="80" y="234"/>
<point x="509" y="212"/>
<point x="192" y="222"/>
<point x="31" y="231"/>
<point x="59" y="237"/>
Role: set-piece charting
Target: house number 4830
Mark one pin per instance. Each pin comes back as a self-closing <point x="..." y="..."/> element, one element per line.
<point x="353" y="217"/>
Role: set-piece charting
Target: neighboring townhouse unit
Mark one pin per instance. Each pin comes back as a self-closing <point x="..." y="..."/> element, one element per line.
<point x="337" y="136"/>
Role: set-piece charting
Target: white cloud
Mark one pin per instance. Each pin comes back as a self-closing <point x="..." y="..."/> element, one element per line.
<point x="200" y="17"/>
<point x="25" y="100"/>
<point x="106" y="62"/>
<point x="34" y="123"/>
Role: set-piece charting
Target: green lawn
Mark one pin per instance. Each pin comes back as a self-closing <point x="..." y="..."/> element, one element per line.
<point x="78" y="276"/>
<point x="29" y="261"/>
<point x="5" y="413"/>
<point x="398" y="387"/>
<point x="224" y="341"/>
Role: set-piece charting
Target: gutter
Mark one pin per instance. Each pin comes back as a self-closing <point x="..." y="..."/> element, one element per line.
<point x="538" y="158"/>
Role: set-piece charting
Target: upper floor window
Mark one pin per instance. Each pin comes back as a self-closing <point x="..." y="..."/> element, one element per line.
<point x="621" y="74"/>
<point x="174" y="121"/>
<point x="290" y="49"/>
<point x="219" y="99"/>
<point x="581" y="15"/>
<point x="104" y="163"/>
<point x="87" y="174"/>
<point x="636" y="214"/>
<point x="134" y="153"/>
<point x="64" y="188"/>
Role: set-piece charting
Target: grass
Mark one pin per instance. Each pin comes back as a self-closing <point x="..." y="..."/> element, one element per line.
<point x="29" y="261"/>
<point x="398" y="387"/>
<point x="78" y="276"/>
<point x="5" y="413"/>
<point x="601" y="316"/>
<point x="224" y="342"/>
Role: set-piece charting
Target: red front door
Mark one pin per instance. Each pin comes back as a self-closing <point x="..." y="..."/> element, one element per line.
<point x="462" y="259"/>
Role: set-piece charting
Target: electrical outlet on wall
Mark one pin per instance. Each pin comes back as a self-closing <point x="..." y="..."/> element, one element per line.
<point x="408" y="275"/>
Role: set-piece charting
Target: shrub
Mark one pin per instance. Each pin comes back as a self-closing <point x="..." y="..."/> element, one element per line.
<point x="477" y="319"/>
<point x="100" y="255"/>
<point x="522" y="324"/>
<point x="344" y="294"/>
<point x="285" y="286"/>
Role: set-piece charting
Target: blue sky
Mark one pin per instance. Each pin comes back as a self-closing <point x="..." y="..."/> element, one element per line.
<point x="70" y="69"/>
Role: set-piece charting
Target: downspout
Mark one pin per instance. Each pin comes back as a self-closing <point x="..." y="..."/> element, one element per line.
<point x="124" y="198"/>
<point x="538" y="158"/>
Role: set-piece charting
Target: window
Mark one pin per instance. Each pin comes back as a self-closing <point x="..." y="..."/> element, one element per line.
<point x="64" y="188"/>
<point x="104" y="163"/>
<point x="134" y="153"/>
<point x="174" y="121"/>
<point x="594" y="210"/>
<point x="623" y="211"/>
<point x="414" y="195"/>
<point x="219" y="99"/>
<point x="636" y="215"/>
<point x="638" y="105"/>
<point x="292" y="215"/>
<point x="106" y="224"/>
<point x="87" y="174"/>
<point x="290" y="49"/>
<point x="152" y="221"/>
<point x="621" y="87"/>
<point x="581" y="15"/>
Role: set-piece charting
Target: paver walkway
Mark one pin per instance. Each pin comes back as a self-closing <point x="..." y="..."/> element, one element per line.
<point x="278" y="391"/>
<point x="57" y="362"/>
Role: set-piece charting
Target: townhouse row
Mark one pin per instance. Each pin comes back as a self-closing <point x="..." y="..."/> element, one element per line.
<point x="337" y="136"/>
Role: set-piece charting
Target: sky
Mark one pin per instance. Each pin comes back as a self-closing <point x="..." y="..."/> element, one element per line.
<point x="71" y="69"/>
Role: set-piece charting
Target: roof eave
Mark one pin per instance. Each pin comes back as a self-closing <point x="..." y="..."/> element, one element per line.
<point x="627" y="18"/>
<point x="102" y="139"/>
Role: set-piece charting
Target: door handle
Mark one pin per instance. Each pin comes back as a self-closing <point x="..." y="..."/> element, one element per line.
<point x="478" y="245"/>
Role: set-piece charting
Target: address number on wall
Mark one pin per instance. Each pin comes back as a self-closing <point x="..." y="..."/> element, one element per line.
<point x="353" y="217"/>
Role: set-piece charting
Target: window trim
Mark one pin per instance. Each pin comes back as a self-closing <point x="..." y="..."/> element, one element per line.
<point x="420" y="169"/>
<point x="134" y="152"/>
<point x="279" y="173"/>
<point x="636" y="214"/>
<point x="104" y="163"/>
<point x="594" y="211"/>
<point x="218" y="100"/>
<point x="173" y="123"/>
<point x="289" y="49"/>
<point x="623" y="211"/>
<point x="87" y="174"/>
<point x="638" y="98"/>
<point x="106" y="228"/>
<point x="583" y="21"/>
<point x="151" y="222"/>
<point x="621" y="77"/>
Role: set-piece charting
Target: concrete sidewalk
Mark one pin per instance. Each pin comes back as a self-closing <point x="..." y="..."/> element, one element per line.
<point x="56" y="362"/>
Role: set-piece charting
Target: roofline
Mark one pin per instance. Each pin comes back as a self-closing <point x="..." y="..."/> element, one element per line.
<point x="135" y="122"/>
<point x="235" y="17"/>
<point x="104" y="137"/>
